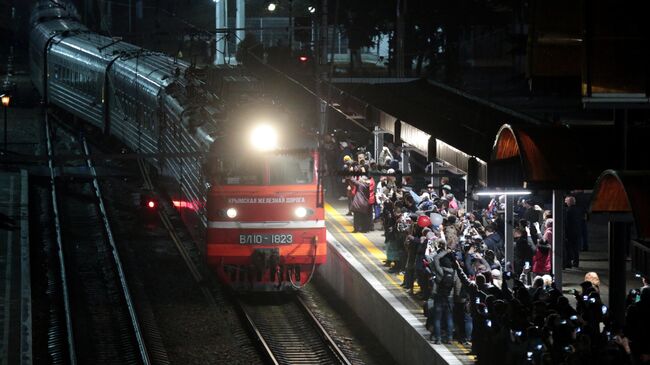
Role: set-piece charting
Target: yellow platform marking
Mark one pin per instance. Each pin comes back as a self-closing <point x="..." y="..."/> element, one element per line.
<point x="374" y="251"/>
<point x="367" y="244"/>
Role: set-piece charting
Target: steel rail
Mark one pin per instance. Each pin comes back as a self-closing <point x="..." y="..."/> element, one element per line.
<point x="144" y="354"/>
<point x="283" y="342"/>
<point x="323" y="333"/>
<point x="72" y="355"/>
<point x="259" y="338"/>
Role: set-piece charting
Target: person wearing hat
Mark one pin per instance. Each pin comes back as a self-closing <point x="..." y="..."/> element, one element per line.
<point x="432" y="191"/>
<point x="344" y="150"/>
<point x="446" y="193"/>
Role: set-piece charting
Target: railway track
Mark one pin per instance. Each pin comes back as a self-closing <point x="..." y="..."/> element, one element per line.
<point x="97" y="322"/>
<point x="281" y="325"/>
<point x="287" y="331"/>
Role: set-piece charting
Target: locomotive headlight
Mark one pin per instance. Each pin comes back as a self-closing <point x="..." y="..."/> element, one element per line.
<point x="264" y="138"/>
<point x="231" y="212"/>
<point x="300" y="212"/>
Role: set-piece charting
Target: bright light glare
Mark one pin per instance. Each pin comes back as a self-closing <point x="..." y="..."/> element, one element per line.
<point x="503" y="192"/>
<point x="271" y="7"/>
<point x="312" y="9"/>
<point x="264" y="138"/>
<point x="300" y="212"/>
<point x="231" y="212"/>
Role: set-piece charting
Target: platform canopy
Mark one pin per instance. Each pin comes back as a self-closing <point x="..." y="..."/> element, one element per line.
<point x="550" y="157"/>
<point x="625" y="192"/>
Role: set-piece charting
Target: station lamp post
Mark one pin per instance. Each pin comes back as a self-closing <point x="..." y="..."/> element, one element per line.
<point x="5" y="104"/>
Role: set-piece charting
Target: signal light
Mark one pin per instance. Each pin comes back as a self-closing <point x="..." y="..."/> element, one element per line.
<point x="148" y="201"/>
<point x="303" y="59"/>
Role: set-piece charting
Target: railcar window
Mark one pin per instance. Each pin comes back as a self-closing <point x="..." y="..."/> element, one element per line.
<point x="291" y="169"/>
<point x="241" y="171"/>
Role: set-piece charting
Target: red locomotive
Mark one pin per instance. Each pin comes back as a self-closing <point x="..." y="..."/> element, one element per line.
<point x="266" y="227"/>
<point x="253" y="185"/>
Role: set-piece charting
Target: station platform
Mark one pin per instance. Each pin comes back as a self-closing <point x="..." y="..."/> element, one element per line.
<point x="355" y="270"/>
<point x="15" y="281"/>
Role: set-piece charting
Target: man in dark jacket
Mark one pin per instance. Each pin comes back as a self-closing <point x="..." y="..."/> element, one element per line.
<point x="637" y="329"/>
<point x="573" y="232"/>
<point x="493" y="241"/>
<point x="443" y="295"/>
<point x="524" y="252"/>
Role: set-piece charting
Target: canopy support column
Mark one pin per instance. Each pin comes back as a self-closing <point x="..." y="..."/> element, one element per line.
<point x="558" y="237"/>
<point x="618" y="239"/>
<point x="508" y="236"/>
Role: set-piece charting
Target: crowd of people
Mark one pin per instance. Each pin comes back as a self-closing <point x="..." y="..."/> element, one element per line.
<point x="509" y="312"/>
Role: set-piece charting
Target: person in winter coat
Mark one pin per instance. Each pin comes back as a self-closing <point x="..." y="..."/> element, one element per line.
<point x="372" y="201"/>
<point x="395" y="250"/>
<point x="451" y="232"/>
<point x="548" y="231"/>
<point x="360" y="206"/>
<point x="542" y="259"/>
<point x="411" y="245"/>
<point x="443" y="294"/>
<point x="493" y="241"/>
<point x="523" y="250"/>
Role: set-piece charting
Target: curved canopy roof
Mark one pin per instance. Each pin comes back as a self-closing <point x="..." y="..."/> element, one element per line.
<point x="625" y="192"/>
<point x="554" y="157"/>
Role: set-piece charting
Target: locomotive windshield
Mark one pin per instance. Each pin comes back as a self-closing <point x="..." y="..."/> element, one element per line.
<point x="280" y="169"/>
<point x="241" y="171"/>
<point x="291" y="169"/>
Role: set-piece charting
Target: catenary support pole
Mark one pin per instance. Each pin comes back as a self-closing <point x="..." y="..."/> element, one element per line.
<point x="220" y="39"/>
<point x="508" y="236"/>
<point x="558" y="237"/>
<point x="240" y="20"/>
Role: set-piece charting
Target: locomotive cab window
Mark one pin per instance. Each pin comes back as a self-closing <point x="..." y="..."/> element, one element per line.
<point x="273" y="170"/>
<point x="241" y="171"/>
<point x="291" y="169"/>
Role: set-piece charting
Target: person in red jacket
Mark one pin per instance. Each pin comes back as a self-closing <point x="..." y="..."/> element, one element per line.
<point x="372" y="201"/>
<point x="542" y="259"/>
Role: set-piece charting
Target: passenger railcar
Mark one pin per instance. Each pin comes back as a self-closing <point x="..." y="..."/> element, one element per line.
<point x="260" y="205"/>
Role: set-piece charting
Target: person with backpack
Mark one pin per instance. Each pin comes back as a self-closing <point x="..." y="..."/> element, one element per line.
<point x="443" y="295"/>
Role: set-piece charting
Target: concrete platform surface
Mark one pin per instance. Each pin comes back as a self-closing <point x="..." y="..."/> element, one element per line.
<point x="356" y="272"/>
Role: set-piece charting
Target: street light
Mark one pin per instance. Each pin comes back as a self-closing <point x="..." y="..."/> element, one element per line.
<point x="272" y="7"/>
<point x="5" y="103"/>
